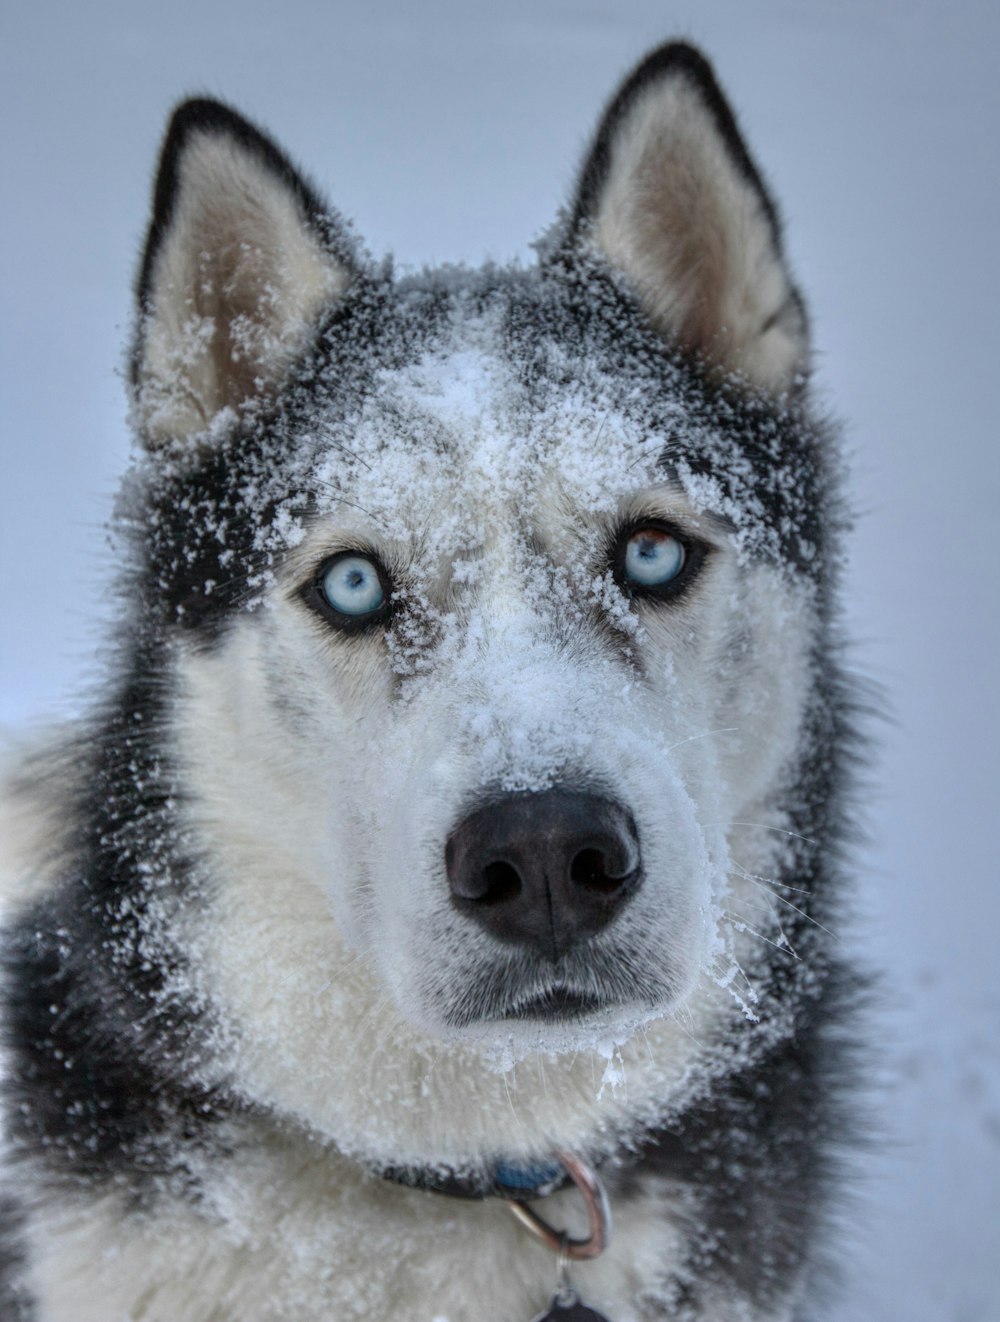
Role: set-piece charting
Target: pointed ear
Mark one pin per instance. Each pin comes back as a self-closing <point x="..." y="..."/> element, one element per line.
<point x="670" y="197"/>
<point x="241" y="259"/>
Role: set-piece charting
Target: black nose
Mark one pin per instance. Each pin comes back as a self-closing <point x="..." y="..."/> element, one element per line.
<point x="545" y="870"/>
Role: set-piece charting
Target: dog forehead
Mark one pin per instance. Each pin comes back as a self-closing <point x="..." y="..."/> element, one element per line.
<point x="458" y="440"/>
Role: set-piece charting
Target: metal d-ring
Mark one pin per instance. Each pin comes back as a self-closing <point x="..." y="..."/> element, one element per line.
<point x="598" y="1215"/>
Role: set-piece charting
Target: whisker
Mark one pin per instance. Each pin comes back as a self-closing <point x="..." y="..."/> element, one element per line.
<point x="705" y="734"/>
<point x="725" y="980"/>
<point x="740" y="924"/>
<point x="767" y="885"/>
<point x="342" y="500"/>
<point x="338" y="445"/>
<point x="779" y="830"/>
<point x="510" y="1100"/>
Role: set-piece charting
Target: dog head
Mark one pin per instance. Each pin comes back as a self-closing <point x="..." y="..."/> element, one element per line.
<point x="490" y="600"/>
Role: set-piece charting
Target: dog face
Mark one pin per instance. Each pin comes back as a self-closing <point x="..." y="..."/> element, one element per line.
<point x="490" y="598"/>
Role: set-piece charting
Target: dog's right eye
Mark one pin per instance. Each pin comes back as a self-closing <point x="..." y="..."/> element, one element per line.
<point x="351" y="590"/>
<point x="653" y="560"/>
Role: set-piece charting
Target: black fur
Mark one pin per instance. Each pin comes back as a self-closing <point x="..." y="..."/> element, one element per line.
<point x="98" y="1079"/>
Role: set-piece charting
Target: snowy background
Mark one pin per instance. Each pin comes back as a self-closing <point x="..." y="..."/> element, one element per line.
<point x="450" y="130"/>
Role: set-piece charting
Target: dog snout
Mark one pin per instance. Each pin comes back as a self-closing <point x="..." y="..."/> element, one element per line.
<point x="546" y="870"/>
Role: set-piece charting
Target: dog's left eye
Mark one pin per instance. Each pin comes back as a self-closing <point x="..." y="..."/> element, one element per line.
<point x="352" y="586"/>
<point x="351" y="590"/>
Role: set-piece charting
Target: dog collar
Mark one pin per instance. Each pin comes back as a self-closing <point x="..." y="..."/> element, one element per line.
<point x="519" y="1183"/>
<point x="511" y="1180"/>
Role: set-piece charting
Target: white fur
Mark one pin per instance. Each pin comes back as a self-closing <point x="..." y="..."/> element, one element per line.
<point x="292" y="1233"/>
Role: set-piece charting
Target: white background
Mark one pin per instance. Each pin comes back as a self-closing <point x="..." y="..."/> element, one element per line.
<point x="452" y="130"/>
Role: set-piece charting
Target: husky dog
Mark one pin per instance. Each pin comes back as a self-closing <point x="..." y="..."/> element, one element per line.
<point x="459" y="830"/>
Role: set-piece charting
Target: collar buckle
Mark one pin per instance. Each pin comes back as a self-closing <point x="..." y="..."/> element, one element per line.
<point x="598" y="1215"/>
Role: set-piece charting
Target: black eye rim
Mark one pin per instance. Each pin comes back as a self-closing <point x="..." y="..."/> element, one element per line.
<point x="696" y="552"/>
<point x="315" y="597"/>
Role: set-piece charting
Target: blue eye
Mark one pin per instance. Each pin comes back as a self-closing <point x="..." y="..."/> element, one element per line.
<point x="351" y="585"/>
<point x="653" y="558"/>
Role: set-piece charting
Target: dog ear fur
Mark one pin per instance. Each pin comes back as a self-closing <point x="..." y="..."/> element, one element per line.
<point x="240" y="260"/>
<point x="671" y="198"/>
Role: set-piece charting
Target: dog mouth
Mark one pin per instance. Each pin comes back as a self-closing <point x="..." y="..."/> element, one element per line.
<point x="610" y="986"/>
<point x="555" y="1004"/>
<point x="543" y="1004"/>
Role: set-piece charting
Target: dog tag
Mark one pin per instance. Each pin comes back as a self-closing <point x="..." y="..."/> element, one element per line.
<point x="566" y="1307"/>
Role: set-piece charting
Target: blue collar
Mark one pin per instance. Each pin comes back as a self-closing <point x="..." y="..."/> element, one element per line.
<point x="502" y="1179"/>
